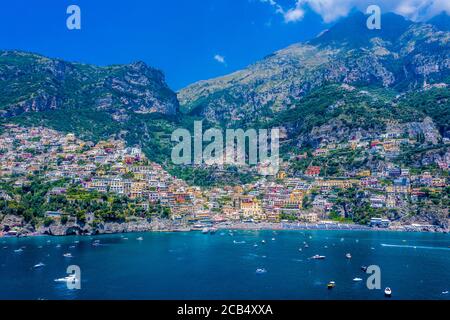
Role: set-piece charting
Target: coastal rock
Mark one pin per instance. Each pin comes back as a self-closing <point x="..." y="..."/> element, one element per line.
<point x="11" y="221"/>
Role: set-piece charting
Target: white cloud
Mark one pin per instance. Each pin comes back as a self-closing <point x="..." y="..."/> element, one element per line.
<point x="331" y="10"/>
<point x="220" y="59"/>
<point x="291" y="15"/>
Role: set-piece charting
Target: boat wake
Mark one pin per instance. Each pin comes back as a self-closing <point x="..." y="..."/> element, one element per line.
<point x="414" y="247"/>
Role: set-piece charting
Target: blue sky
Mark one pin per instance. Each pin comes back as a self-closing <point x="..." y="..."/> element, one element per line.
<point x="189" y="40"/>
<point x="180" y="37"/>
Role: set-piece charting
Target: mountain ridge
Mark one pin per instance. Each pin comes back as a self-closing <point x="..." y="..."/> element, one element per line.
<point x="32" y="82"/>
<point x="418" y="56"/>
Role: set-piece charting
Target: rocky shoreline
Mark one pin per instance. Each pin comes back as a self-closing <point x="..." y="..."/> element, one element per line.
<point x="15" y="226"/>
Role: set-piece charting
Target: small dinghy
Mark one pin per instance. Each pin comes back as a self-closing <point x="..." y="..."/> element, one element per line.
<point x="388" y="292"/>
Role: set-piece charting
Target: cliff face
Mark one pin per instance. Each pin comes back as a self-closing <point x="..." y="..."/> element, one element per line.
<point x="33" y="83"/>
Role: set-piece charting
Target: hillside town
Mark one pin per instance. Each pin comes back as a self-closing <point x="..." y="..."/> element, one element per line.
<point x="389" y="197"/>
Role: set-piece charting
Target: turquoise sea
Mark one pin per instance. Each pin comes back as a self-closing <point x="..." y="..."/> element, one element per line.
<point x="224" y="265"/>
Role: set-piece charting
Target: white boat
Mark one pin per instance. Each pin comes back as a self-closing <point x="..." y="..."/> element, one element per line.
<point x="318" y="257"/>
<point x="205" y="230"/>
<point x="70" y="278"/>
<point x="39" y="265"/>
<point x="331" y="285"/>
<point x="140" y="239"/>
<point x="348" y="256"/>
<point x="261" y="270"/>
<point x="67" y="255"/>
<point x="388" y="292"/>
<point x="18" y="250"/>
<point x="357" y="279"/>
<point x="263" y="241"/>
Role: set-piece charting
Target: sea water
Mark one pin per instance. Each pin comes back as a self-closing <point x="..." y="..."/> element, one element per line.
<point x="227" y="265"/>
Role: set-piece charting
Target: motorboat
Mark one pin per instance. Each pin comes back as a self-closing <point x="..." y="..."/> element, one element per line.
<point x="71" y="278"/>
<point x="67" y="255"/>
<point x="39" y="265"/>
<point x="357" y="279"/>
<point x="388" y="292"/>
<point x="331" y="285"/>
<point x="348" y="256"/>
<point x="261" y="270"/>
<point x="205" y="230"/>
<point x="318" y="257"/>
<point x="140" y="239"/>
